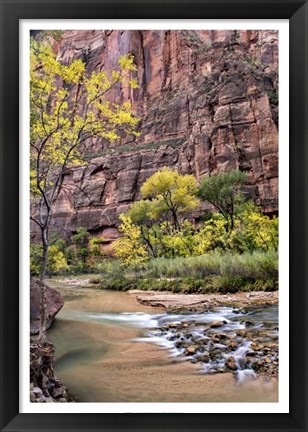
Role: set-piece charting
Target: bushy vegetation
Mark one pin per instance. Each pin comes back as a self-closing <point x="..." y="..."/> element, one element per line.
<point x="256" y="265"/>
<point x="215" y="272"/>
<point x="233" y="248"/>
<point x="82" y="254"/>
<point x="157" y="226"/>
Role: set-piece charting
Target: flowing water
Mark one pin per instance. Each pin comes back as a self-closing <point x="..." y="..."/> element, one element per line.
<point x="110" y="348"/>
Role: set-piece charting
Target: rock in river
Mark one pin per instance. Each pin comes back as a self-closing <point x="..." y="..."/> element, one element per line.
<point x="54" y="304"/>
<point x="216" y="324"/>
<point x="231" y="364"/>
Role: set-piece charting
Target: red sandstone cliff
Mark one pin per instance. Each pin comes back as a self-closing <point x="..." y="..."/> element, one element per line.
<point x="208" y="102"/>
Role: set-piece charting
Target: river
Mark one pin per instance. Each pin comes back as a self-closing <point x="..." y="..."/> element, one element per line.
<point x="110" y="348"/>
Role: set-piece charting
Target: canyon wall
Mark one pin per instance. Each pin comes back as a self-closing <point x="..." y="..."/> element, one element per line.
<point x="208" y="102"/>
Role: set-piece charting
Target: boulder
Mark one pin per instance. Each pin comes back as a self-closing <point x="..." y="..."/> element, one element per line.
<point x="54" y="304"/>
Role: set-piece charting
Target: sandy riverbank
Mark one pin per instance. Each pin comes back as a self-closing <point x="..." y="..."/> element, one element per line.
<point x="197" y="302"/>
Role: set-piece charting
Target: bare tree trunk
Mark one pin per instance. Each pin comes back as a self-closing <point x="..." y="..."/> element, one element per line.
<point x="44" y="255"/>
<point x="148" y="242"/>
<point x="43" y="303"/>
<point x="176" y="223"/>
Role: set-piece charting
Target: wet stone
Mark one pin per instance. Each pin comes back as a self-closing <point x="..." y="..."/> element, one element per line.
<point x="231" y="364"/>
<point x="249" y="323"/>
<point x="191" y="349"/>
<point x="255" y="347"/>
<point x="241" y="333"/>
<point x="204" y="357"/>
<point x="217" y="324"/>
<point x="173" y="325"/>
<point x="233" y="344"/>
<point x="251" y="353"/>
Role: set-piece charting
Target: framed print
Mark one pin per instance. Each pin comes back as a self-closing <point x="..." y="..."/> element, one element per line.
<point x="157" y="174"/>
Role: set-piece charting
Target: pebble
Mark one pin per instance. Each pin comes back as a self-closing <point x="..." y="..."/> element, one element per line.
<point x="173" y="325"/>
<point x="241" y="332"/>
<point x="233" y="344"/>
<point x="216" y="324"/>
<point x="231" y="364"/>
<point x="191" y="349"/>
<point x="255" y="347"/>
<point x="57" y="392"/>
<point x="36" y="395"/>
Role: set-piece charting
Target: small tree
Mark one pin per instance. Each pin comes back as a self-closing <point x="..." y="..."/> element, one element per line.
<point x="129" y="247"/>
<point x="223" y="192"/>
<point x="67" y="108"/>
<point x="172" y="194"/>
<point x="141" y="213"/>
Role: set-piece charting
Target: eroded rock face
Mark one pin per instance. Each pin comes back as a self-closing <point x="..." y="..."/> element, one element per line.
<point x="55" y="303"/>
<point x="207" y="102"/>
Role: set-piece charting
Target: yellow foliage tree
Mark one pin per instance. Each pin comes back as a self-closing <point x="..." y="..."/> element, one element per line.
<point x="258" y="230"/>
<point x="56" y="260"/>
<point x="68" y="106"/>
<point x="129" y="248"/>
<point x="171" y="193"/>
<point x="210" y="236"/>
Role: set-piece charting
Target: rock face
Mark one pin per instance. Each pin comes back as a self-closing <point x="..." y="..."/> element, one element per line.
<point x="54" y="304"/>
<point x="208" y="102"/>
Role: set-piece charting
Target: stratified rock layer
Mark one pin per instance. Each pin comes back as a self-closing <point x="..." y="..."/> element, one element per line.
<point x="208" y="102"/>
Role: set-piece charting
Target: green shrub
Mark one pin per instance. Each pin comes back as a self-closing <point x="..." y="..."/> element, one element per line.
<point x="214" y="272"/>
<point x="36" y="251"/>
<point x="56" y="262"/>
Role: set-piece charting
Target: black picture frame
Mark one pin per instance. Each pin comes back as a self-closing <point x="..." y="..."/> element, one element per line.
<point x="11" y="12"/>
